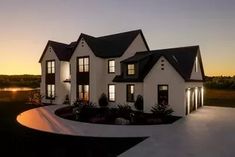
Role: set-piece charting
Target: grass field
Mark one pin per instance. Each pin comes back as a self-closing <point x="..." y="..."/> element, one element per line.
<point x="223" y="98"/>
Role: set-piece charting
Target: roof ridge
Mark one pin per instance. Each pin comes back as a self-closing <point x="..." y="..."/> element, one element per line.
<point x="173" y="48"/>
<point x="56" y="42"/>
<point x="137" y="30"/>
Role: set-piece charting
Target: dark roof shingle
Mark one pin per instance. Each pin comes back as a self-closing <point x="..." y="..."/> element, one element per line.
<point x="105" y="46"/>
<point x="111" y="45"/>
<point x="62" y="51"/>
<point x="182" y="59"/>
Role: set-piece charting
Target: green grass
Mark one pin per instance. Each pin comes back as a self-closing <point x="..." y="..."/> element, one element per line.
<point x="223" y="98"/>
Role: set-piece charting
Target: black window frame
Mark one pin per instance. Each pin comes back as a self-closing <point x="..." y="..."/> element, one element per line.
<point x="130" y="97"/>
<point x="52" y="69"/>
<point x="134" y="69"/>
<point x="83" y="64"/>
<point x="109" y="67"/>
<point x="49" y="95"/>
<point x="114" y="93"/>
<point x="83" y="92"/>
<point x="167" y="94"/>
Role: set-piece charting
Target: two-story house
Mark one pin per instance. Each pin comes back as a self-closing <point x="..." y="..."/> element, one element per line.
<point x="122" y="66"/>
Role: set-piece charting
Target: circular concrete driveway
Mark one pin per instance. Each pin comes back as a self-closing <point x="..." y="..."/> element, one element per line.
<point x="208" y="132"/>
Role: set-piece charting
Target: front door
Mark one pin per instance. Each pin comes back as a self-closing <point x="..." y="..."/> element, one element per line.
<point x="83" y="92"/>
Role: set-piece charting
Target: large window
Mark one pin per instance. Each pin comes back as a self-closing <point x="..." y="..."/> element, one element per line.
<point x="130" y="92"/>
<point x="50" y="91"/>
<point x="111" y="64"/>
<point x="83" y="64"/>
<point x="131" y="69"/>
<point x="163" y="94"/>
<point x="83" y="92"/>
<point x="50" y="67"/>
<point x="111" y="92"/>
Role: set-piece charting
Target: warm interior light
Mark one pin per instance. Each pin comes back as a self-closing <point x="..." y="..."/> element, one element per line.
<point x="188" y="100"/>
<point x="202" y="91"/>
<point x="196" y="95"/>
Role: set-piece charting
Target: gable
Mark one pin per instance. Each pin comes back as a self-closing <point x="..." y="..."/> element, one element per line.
<point x="62" y="51"/>
<point x="49" y="55"/>
<point x="182" y="60"/>
<point x="111" y="46"/>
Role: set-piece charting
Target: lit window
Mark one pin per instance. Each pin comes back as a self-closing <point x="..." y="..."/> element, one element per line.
<point x="196" y="64"/>
<point x="111" y="93"/>
<point x="83" y="64"/>
<point x="130" y="92"/>
<point x="50" y="67"/>
<point x="162" y="94"/>
<point x="50" y="91"/>
<point x="131" y="69"/>
<point x="111" y="64"/>
<point x="83" y="92"/>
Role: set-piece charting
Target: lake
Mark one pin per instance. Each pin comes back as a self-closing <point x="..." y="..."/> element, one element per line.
<point x="17" y="93"/>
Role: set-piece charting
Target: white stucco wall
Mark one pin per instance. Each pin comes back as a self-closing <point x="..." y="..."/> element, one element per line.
<point x="99" y="77"/>
<point x="121" y="89"/>
<point x="175" y="82"/>
<point x="136" y="46"/>
<point x="61" y="72"/>
<point x="96" y="72"/>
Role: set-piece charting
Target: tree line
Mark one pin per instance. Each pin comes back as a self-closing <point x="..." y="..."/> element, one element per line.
<point x="32" y="81"/>
<point x="220" y="82"/>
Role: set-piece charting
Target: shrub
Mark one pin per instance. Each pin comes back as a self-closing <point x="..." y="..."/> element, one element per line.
<point x="66" y="101"/>
<point x="124" y="111"/>
<point x="139" y="103"/>
<point x="161" y="110"/>
<point x="103" y="100"/>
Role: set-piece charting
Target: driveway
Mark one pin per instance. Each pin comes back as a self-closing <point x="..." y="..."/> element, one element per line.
<point x="208" y="132"/>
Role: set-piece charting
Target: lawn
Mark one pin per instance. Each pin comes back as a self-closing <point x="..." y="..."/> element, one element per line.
<point x="223" y="98"/>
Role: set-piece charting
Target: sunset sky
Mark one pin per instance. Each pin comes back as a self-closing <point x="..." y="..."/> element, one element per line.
<point x="27" y="25"/>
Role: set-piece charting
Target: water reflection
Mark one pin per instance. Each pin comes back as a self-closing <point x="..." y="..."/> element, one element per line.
<point x="17" y="93"/>
<point x="15" y="89"/>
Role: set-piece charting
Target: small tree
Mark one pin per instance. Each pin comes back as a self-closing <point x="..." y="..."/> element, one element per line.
<point x="139" y="103"/>
<point x="161" y="110"/>
<point x="66" y="101"/>
<point x="103" y="100"/>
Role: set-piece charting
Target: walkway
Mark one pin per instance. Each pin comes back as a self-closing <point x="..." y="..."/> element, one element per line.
<point x="208" y="132"/>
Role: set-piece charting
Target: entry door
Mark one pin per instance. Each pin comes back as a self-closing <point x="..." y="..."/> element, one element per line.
<point x="83" y="92"/>
<point x="163" y="94"/>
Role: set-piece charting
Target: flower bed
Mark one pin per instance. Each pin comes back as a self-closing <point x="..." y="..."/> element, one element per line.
<point x="123" y="115"/>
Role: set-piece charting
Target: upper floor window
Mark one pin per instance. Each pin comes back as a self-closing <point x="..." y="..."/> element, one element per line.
<point x="130" y="92"/>
<point x="83" y="64"/>
<point x="131" y="69"/>
<point x="50" y="67"/>
<point x="196" y="64"/>
<point x="111" y="92"/>
<point x="111" y="64"/>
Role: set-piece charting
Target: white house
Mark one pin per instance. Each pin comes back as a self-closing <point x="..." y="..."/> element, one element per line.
<point x="122" y="66"/>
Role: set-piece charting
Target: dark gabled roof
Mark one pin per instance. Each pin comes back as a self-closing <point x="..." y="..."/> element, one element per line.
<point x="111" y="46"/>
<point x="182" y="59"/>
<point x="62" y="51"/>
